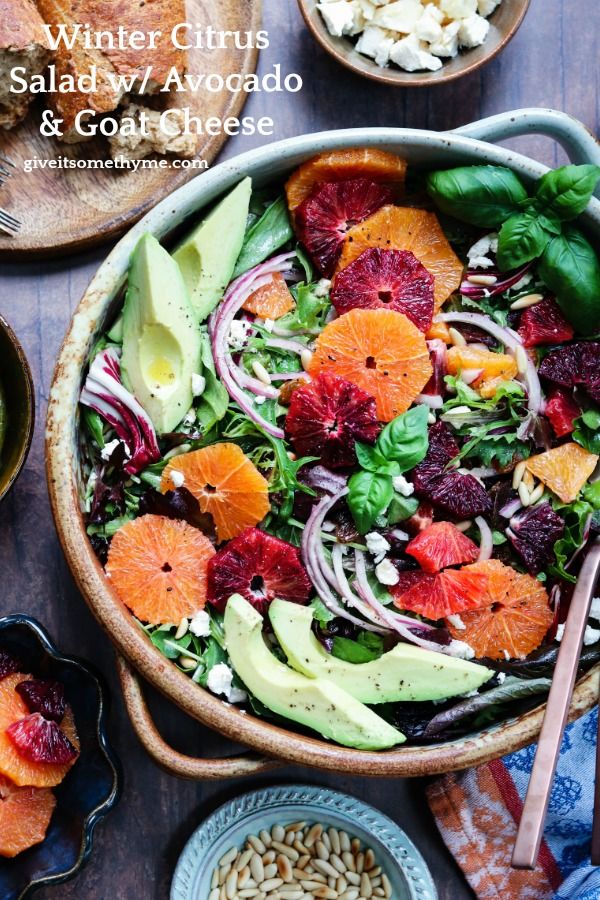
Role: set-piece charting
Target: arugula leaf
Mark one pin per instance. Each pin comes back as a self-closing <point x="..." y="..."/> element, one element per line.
<point x="364" y="649"/>
<point x="369" y="496"/>
<point x="212" y="656"/>
<point x="576" y="516"/>
<point x="566" y="192"/>
<point x="587" y="430"/>
<point x="320" y="612"/>
<point x="311" y="307"/>
<point x="571" y="270"/>
<point x="479" y="195"/>
<point x="269" y="234"/>
<point x="591" y="494"/>
<point x="212" y="404"/>
<point x="306" y="264"/>
<point x="94" y="425"/>
<point x="522" y="238"/>
<point x="405" y="439"/>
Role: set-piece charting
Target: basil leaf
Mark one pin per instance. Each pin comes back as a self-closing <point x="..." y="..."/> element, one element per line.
<point x="522" y="238"/>
<point x="586" y="431"/>
<point x="405" y="439"/>
<point x="591" y="494"/>
<point x="360" y="651"/>
<point x="370" y="458"/>
<point x="271" y="232"/>
<point x="479" y="195"/>
<point x="570" y="269"/>
<point x="566" y="192"/>
<point x="369" y="496"/>
<point x="401" y="508"/>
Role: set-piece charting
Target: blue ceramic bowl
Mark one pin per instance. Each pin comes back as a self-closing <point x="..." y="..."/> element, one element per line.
<point x="230" y="825"/>
<point x="92" y="787"/>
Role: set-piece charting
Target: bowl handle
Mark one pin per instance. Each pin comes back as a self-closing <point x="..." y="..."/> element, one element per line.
<point x="579" y="143"/>
<point x="169" y="759"/>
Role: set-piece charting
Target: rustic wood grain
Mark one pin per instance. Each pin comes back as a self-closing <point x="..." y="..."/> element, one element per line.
<point x="551" y="62"/>
<point x="64" y="210"/>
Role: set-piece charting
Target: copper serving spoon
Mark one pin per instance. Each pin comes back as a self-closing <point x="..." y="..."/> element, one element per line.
<point x="531" y="826"/>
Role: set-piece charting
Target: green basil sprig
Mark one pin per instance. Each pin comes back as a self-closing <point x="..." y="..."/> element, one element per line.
<point x="401" y="446"/>
<point x="530" y="228"/>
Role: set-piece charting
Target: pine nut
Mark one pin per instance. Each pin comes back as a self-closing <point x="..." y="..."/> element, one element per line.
<point x="311" y="885"/>
<point x="270" y="871"/>
<point x="299" y="846"/>
<point x="186" y="662"/>
<point x="341" y="884"/>
<point x="284" y="868"/>
<point x="223" y="873"/>
<point x="386" y="885"/>
<point x="349" y="861"/>
<point x="290" y="895"/>
<point x="228" y="857"/>
<point x="528" y="480"/>
<point x="322" y="851"/>
<point x="326" y="893"/>
<point x="313" y="835"/>
<point x="369" y="859"/>
<point x="182" y="629"/>
<point x="222" y="893"/>
<point x="243" y="860"/>
<point x="269" y="857"/>
<point x="335" y="840"/>
<point x="215" y="879"/>
<point x="265" y="837"/>
<point x="378" y="892"/>
<point x="337" y="863"/>
<point x="352" y="877"/>
<point x="290" y="838"/>
<point x="483" y="280"/>
<point x="524" y="495"/>
<point x="365" y="886"/>
<point x="303" y="861"/>
<point x="243" y="877"/>
<point x="456" y="337"/>
<point x="257" y="869"/>
<point x="326" y="841"/>
<point x="257" y="844"/>
<point x="214" y="894"/>
<point x="277" y="833"/>
<point x="375" y="880"/>
<point x="528" y="300"/>
<point x="375" y="872"/>
<point x="231" y="885"/>
<point x="350" y="894"/>
<point x="537" y="494"/>
<point x="270" y="884"/>
<point x="287" y="851"/>
<point x="321" y="865"/>
<point x="306" y="359"/>
<point x="360" y="863"/>
<point x="295" y="826"/>
<point x="249" y="892"/>
<point x="521" y="359"/>
<point x="518" y="472"/>
<point x="344" y="841"/>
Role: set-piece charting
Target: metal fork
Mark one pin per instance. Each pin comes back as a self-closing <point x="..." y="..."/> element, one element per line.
<point x="8" y="222"/>
<point x="6" y="165"/>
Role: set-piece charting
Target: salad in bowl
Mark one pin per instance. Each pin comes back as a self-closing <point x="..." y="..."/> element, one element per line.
<point x="340" y="443"/>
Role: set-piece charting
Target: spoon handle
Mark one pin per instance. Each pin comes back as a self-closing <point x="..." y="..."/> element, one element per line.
<point x="531" y="826"/>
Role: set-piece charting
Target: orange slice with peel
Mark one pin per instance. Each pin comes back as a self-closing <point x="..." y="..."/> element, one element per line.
<point x="25" y="814"/>
<point x="515" y="618"/>
<point x="158" y="568"/>
<point x="381" y="351"/>
<point x="226" y="484"/>
<point x="15" y="767"/>
<point x="564" y="469"/>
<point x="405" y="228"/>
<point x="272" y="300"/>
<point x="341" y="165"/>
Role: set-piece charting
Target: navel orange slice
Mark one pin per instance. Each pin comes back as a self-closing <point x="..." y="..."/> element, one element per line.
<point x="158" y="568"/>
<point x="25" y="814"/>
<point x="272" y="300"/>
<point x="13" y="765"/>
<point x="226" y="484"/>
<point x="515" y="618"/>
<point x="340" y="165"/>
<point x="563" y="469"/>
<point x="405" y="228"/>
<point x="492" y="365"/>
<point x="379" y="350"/>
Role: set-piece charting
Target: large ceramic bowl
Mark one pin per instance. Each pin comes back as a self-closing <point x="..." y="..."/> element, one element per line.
<point x="16" y="384"/>
<point x="422" y="149"/>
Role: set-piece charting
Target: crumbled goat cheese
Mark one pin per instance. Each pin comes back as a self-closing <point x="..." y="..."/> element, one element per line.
<point x="322" y="287"/>
<point x="108" y="449"/>
<point x="487" y="7"/>
<point x="369" y="41"/>
<point x="177" y="478"/>
<point x="238" y="333"/>
<point x="198" y="384"/>
<point x="428" y="27"/>
<point x="338" y="16"/>
<point x="259" y="400"/>
<point x="447" y="46"/>
<point x="478" y="254"/>
<point x="386" y="572"/>
<point x="591" y="635"/>
<point x="401" y="16"/>
<point x="377" y="545"/>
<point x="461" y="650"/>
<point x="456" y="622"/>
<point x="410" y="55"/>
<point x="473" y="31"/>
<point x="595" y="609"/>
<point x="403" y="486"/>
<point x="190" y="417"/>
<point x="458" y="9"/>
<point x="200" y="624"/>
<point x="501" y="676"/>
<point x="560" y="630"/>
<point x="220" y="680"/>
<point x="522" y="282"/>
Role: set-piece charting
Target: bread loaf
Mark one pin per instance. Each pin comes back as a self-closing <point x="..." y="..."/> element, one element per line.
<point x="22" y="43"/>
<point x="107" y="16"/>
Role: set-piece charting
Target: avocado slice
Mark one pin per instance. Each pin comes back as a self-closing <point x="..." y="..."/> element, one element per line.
<point x="207" y="256"/>
<point x="315" y="702"/>
<point x="404" y="673"/>
<point x="161" y="337"/>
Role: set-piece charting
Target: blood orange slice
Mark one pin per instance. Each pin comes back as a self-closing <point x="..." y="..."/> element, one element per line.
<point x="405" y="228"/>
<point x="272" y="300"/>
<point x="13" y="765"/>
<point x="341" y="165"/>
<point x="25" y="814"/>
<point x="563" y="469"/>
<point x="379" y="350"/>
<point x="441" y="545"/>
<point x="226" y="484"/>
<point x="515" y="618"/>
<point x="444" y="594"/>
<point x="158" y="568"/>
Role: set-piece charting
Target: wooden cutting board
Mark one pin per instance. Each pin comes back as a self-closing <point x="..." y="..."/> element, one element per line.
<point x="64" y="210"/>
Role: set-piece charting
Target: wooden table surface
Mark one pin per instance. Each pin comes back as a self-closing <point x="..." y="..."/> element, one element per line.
<point x="552" y="62"/>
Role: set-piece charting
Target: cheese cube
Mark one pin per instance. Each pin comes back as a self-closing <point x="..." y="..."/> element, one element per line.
<point x="338" y="16"/>
<point x="458" y="9"/>
<point x="370" y="40"/>
<point x="428" y="28"/>
<point x="447" y="45"/>
<point x="401" y="16"/>
<point x="473" y="31"/>
<point x="411" y="56"/>
<point x="487" y="7"/>
<point x="366" y="7"/>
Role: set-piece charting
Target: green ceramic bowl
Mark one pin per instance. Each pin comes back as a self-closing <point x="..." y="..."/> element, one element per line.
<point x="17" y="407"/>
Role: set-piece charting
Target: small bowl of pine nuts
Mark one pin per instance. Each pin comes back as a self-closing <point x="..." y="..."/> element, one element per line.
<point x="300" y="843"/>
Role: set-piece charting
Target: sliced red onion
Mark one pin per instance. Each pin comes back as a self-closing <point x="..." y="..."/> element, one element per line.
<point x="253" y="384"/>
<point x="337" y="557"/>
<point x="290" y="376"/>
<point x="285" y="344"/>
<point x="512" y="342"/>
<point x="504" y="283"/>
<point x="510" y="508"/>
<point x="471" y="375"/>
<point x="104" y="392"/>
<point x="433" y="401"/>
<point x="486" y="542"/>
<point x="483" y="472"/>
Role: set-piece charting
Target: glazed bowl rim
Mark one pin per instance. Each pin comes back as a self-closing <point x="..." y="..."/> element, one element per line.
<point x="27" y="436"/>
<point x="61" y="458"/>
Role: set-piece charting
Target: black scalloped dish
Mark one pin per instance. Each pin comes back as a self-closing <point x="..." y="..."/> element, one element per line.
<point x="92" y="787"/>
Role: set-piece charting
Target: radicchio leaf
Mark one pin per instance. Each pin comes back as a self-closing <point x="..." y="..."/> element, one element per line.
<point x="178" y="504"/>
